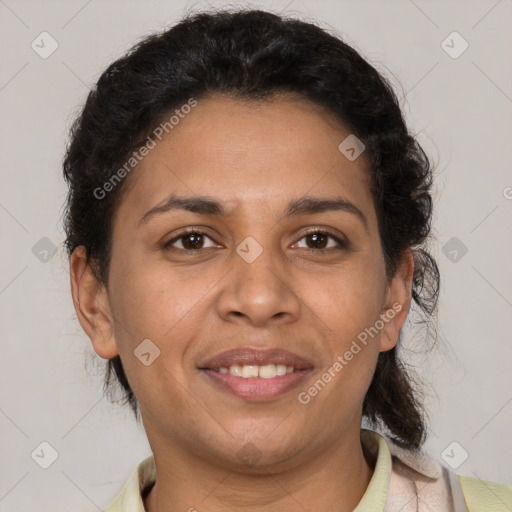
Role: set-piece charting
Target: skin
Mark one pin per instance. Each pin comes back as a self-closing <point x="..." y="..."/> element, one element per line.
<point x="255" y="158"/>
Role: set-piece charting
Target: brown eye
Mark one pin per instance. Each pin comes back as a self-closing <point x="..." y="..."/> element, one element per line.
<point x="317" y="239"/>
<point x="192" y="240"/>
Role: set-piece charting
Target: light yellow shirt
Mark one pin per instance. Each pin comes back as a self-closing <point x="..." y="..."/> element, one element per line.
<point x="402" y="481"/>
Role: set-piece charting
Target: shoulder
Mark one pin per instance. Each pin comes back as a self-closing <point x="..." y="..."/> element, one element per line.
<point x="484" y="496"/>
<point x="440" y="488"/>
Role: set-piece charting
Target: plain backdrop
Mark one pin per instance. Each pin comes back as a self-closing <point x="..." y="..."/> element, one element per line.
<point x="460" y="106"/>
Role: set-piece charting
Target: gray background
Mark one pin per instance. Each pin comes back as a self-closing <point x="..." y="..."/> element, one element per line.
<point x="51" y="382"/>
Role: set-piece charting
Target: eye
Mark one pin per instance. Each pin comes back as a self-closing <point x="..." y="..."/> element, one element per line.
<point x="318" y="239"/>
<point x="191" y="240"/>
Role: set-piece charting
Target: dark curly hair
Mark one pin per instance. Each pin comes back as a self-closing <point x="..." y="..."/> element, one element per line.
<point x="256" y="55"/>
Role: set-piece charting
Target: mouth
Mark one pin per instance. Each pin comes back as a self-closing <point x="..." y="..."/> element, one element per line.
<point x="256" y="374"/>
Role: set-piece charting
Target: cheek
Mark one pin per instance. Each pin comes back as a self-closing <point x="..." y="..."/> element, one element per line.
<point x="337" y="394"/>
<point x="351" y="298"/>
<point x="342" y="382"/>
<point x="152" y="298"/>
<point x="150" y="302"/>
<point x="350" y="306"/>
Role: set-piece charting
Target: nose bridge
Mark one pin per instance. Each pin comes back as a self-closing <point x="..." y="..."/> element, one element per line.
<point x="258" y="289"/>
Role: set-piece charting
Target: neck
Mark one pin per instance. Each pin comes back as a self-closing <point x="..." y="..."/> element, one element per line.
<point x="334" y="479"/>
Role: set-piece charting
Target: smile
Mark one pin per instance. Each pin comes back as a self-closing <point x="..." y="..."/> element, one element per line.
<point x="256" y="374"/>
<point x="267" y="371"/>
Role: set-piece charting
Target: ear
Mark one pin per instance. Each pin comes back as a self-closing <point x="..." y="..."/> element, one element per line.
<point x="397" y="302"/>
<point x="91" y="303"/>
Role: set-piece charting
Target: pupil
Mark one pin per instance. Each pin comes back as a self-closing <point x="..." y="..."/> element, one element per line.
<point x="316" y="237"/>
<point x="194" y="239"/>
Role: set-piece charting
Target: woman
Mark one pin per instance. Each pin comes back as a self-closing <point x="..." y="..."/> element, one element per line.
<point x="246" y="223"/>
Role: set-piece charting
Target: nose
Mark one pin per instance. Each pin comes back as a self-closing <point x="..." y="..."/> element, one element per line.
<point x="260" y="293"/>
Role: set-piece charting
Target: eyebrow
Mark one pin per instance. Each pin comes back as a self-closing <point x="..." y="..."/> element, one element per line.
<point x="202" y="205"/>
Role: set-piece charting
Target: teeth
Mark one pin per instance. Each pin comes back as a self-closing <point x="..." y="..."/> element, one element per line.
<point x="248" y="371"/>
<point x="281" y="369"/>
<point x="235" y="370"/>
<point x="268" y="371"/>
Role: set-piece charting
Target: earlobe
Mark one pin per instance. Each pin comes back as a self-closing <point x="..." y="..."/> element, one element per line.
<point x="91" y="305"/>
<point x="397" y="302"/>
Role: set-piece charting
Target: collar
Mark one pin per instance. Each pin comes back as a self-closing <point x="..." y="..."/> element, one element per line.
<point x="387" y="454"/>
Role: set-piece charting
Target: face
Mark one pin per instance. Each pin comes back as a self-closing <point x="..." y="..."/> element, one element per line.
<point x="251" y="291"/>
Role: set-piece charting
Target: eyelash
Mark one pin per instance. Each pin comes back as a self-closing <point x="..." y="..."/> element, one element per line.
<point x="343" y="245"/>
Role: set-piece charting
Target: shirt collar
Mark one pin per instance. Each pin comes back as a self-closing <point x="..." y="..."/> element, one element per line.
<point x="375" y="496"/>
<point x="373" y="500"/>
<point x="130" y="497"/>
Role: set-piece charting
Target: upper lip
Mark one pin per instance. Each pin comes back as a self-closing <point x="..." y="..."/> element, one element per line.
<point x="256" y="357"/>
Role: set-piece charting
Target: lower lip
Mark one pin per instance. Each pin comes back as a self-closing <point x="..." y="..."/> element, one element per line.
<point x="258" y="389"/>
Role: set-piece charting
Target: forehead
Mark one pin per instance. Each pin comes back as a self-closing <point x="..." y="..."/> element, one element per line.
<point x="256" y="153"/>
